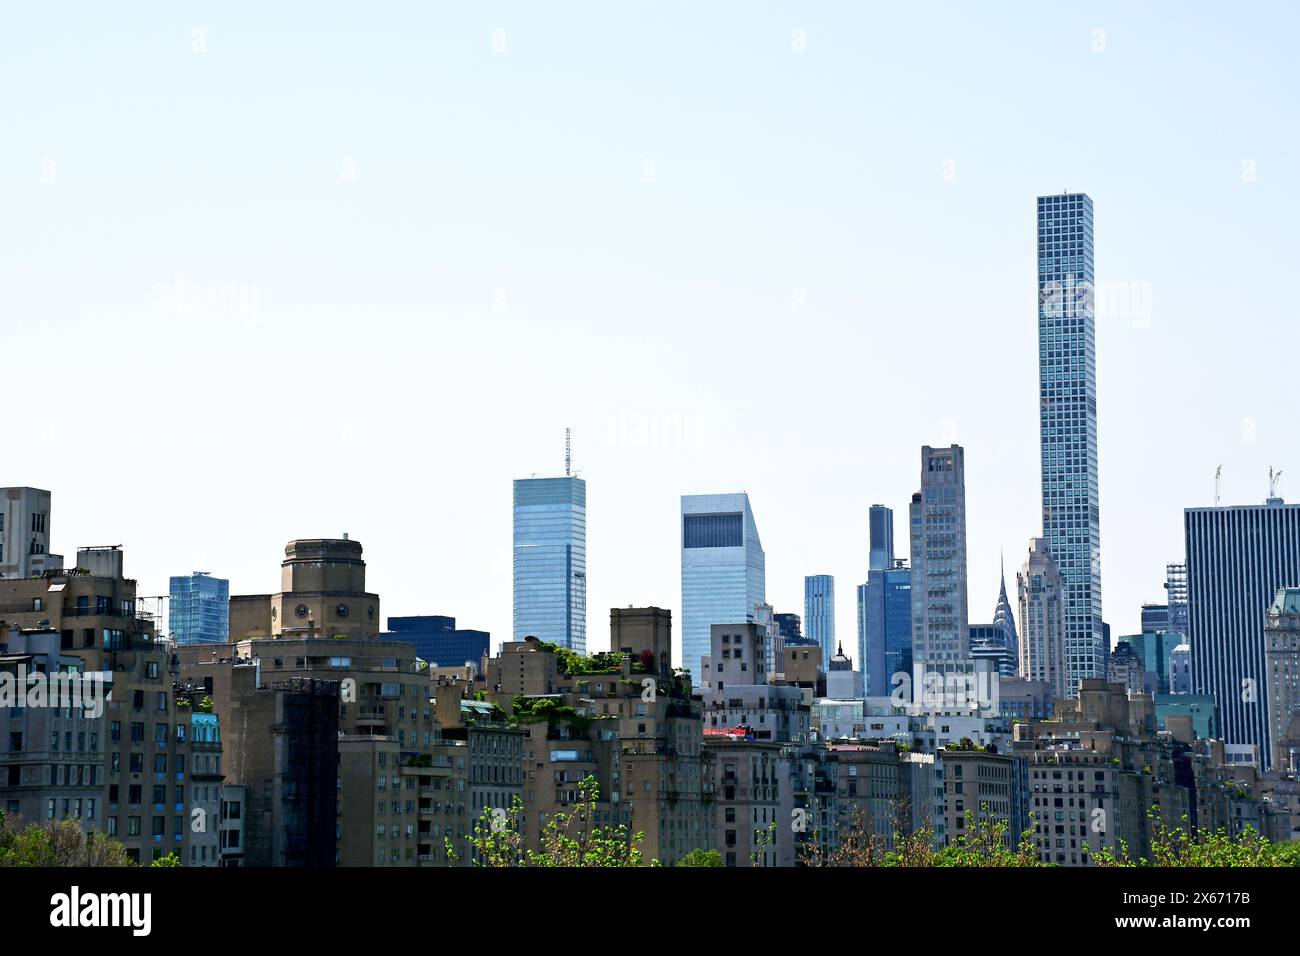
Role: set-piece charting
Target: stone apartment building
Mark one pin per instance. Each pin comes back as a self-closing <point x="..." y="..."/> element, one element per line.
<point x="979" y="787"/>
<point x="126" y="773"/>
<point x="1096" y="772"/>
<point x="282" y="755"/>
<point x="323" y="627"/>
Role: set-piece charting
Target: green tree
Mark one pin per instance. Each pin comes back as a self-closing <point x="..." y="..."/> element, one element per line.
<point x="569" y="838"/>
<point x="57" y="843"/>
<point x="701" y="858"/>
<point x="1178" y="846"/>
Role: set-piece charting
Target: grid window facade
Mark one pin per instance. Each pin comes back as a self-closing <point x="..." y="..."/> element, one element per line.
<point x="1068" y="423"/>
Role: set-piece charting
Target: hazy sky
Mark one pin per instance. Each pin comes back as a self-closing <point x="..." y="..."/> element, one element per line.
<point x="761" y="247"/>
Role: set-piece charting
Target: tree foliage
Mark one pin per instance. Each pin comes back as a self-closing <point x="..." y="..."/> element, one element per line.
<point x="570" y="838"/>
<point x="57" y="843"/>
<point x="701" y="858"/>
<point x="1177" y="846"/>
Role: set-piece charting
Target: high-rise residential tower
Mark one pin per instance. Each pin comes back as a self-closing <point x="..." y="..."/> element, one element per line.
<point x="1041" y="589"/>
<point x="819" y="612"/>
<point x="1237" y="559"/>
<point x="1067" y="393"/>
<point x="550" y="560"/>
<point x="723" y="571"/>
<point x="199" y="609"/>
<point x="940" y="613"/>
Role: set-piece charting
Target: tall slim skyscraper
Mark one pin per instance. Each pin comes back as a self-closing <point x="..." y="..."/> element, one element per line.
<point x="1237" y="559"/>
<point x="1067" y="393"/>
<point x="881" y="526"/>
<point x="940" y="613"/>
<point x="550" y="560"/>
<point x="723" y="570"/>
<point x="199" y="609"/>
<point x="819" y="613"/>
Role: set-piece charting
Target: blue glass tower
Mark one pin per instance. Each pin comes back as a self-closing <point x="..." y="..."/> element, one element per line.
<point x="1067" y="383"/>
<point x="199" y="610"/>
<point x="550" y="561"/>
<point x="819" y="613"/>
<point x="885" y="626"/>
<point x="723" y="570"/>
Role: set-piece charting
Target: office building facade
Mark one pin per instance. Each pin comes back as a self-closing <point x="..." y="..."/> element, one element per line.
<point x="940" y="612"/>
<point x="1067" y="385"/>
<point x="1237" y="559"/>
<point x="438" y="641"/>
<point x="550" y="561"/>
<point x="819" y="612"/>
<point x="199" y="609"/>
<point x="885" y="626"/>
<point x="723" y="570"/>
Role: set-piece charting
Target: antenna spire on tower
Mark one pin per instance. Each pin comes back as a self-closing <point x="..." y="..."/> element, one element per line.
<point x="1218" y="474"/>
<point x="568" y="455"/>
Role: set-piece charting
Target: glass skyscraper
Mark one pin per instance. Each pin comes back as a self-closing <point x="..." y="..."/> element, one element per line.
<point x="1067" y="392"/>
<point x="1237" y="558"/>
<point x="550" y="561"/>
<point x="885" y="627"/>
<point x="723" y="570"/>
<point x="199" y="610"/>
<point x="819" y="614"/>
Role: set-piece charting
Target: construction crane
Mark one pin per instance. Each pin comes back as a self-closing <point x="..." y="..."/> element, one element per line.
<point x="1273" y="478"/>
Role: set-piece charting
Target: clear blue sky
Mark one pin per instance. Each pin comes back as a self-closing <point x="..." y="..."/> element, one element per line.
<point x="725" y="263"/>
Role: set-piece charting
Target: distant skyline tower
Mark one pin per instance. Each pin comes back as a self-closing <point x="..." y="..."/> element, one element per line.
<point x="1003" y="615"/>
<point x="1176" y="597"/>
<point x="723" y="571"/>
<point x="819" y="613"/>
<point x="881" y="526"/>
<point x="940" y="612"/>
<point x="1040" y="588"/>
<point x="199" y="609"/>
<point x="885" y="627"/>
<point x="998" y="641"/>
<point x="1237" y="560"/>
<point x="1067" y="392"/>
<point x="550" y="558"/>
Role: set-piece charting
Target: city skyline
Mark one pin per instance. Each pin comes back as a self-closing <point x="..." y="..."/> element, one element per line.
<point x="811" y="214"/>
